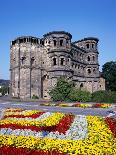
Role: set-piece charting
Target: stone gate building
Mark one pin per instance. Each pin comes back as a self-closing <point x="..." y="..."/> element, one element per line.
<point x="36" y="64"/>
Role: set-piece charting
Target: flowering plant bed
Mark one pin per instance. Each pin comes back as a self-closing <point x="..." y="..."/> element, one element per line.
<point x="33" y="132"/>
<point x="81" y="105"/>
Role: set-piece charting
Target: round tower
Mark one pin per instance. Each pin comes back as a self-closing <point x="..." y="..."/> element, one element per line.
<point x="58" y="45"/>
<point x="91" y="59"/>
<point x="90" y="45"/>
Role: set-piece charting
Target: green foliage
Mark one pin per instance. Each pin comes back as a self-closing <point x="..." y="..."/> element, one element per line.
<point x="79" y="95"/>
<point x="4" y="90"/>
<point x="65" y="91"/>
<point x="61" y="91"/>
<point x="104" y="96"/>
<point x="109" y="73"/>
<point x="35" y="97"/>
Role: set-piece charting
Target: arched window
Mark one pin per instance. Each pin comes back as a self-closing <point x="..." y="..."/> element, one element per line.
<point x="54" y="61"/>
<point x="32" y="60"/>
<point x="88" y="58"/>
<point x="81" y="85"/>
<point x="62" y="61"/>
<point x="23" y="60"/>
<point x="72" y="65"/>
<point x="87" y="45"/>
<point x="43" y="43"/>
<point x="94" y="70"/>
<point x="68" y="59"/>
<point x="54" y="42"/>
<point x="89" y="71"/>
<point x="67" y="41"/>
<point x="93" y="58"/>
<point x="61" y="42"/>
<point x="92" y="45"/>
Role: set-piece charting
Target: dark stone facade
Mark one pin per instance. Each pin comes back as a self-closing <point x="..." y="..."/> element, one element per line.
<point x="36" y="64"/>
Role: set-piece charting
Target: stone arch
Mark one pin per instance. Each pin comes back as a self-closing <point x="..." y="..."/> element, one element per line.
<point x="32" y="60"/>
<point x="54" y="61"/>
<point x="88" y="58"/>
<point x="81" y="85"/>
<point x="61" y="42"/>
<point x="55" y="42"/>
<point x="94" y="70"/>
<point x="89" y="71"/>
<point x="23" y="59"/>
<point x="45" y="85"/>
<point x="93" y="58"/>
<point x="62" y="61"/>
<point x="87" y="46"/>
<point x="93" y="45"/>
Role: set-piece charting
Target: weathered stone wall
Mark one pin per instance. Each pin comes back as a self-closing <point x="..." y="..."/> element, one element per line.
<point x="36" y="64"/>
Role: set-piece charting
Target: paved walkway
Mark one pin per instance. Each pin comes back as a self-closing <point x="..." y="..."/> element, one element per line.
<point x="75" y="110"/>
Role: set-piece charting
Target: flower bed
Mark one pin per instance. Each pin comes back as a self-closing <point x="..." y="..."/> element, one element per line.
<point x="33" y="132"/>
<point x="81" y="105"/>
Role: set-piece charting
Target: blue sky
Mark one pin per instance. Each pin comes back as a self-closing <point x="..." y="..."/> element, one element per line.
<point x="82" y="18"/>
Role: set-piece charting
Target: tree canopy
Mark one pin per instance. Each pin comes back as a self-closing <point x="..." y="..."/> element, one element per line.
<point x="109" y="73"/>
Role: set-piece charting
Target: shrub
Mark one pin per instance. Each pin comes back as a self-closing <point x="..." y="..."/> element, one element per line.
<point x="104" y="96"/>
<point x="35" y="97"/>
<point x="61" y="91"/>
<point x="79" y="95"/>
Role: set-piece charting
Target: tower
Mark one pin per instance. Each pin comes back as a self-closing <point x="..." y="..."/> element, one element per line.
<point x="91" y="60"/>
<point x="25" y="67"/>
<point x="58" y="44"/>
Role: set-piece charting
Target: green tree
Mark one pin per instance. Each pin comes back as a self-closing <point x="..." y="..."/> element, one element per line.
<point x="62" y="89"/>
<point x="4" y="90"/>
<point x="109" y="73"/>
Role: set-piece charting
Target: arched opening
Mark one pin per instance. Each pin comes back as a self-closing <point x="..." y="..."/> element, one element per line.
<point x="54" y="61"/>
<point x="54" y="42"/>
<point x="94" y="70"/>
<point x="89" y="71"/>
<point x="92" y="45"/>
<point x="81" y="85"/>
<point x="68" y="59"/>
<point x="67" y="41"/>
<point x="23" y="60"/>
<point x="44" y="91"/>
<point x="32" y="60"/>
<point x="88" y="58"/>
<point x="61" y="42"/>
<point x="72" y="65"/>
<point x="93" y="58"/>
<point x="62" y="61"/>
<point x="87" y="45"/>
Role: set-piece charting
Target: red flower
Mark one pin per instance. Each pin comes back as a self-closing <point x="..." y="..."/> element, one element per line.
<point x="111" y="124"/>
<point x="61" y="127"/>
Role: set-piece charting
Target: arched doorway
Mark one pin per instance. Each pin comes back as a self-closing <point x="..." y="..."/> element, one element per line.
<point x="45" y="88"/>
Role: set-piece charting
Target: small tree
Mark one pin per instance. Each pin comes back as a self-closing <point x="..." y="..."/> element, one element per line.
<point x="62" y="89"/>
